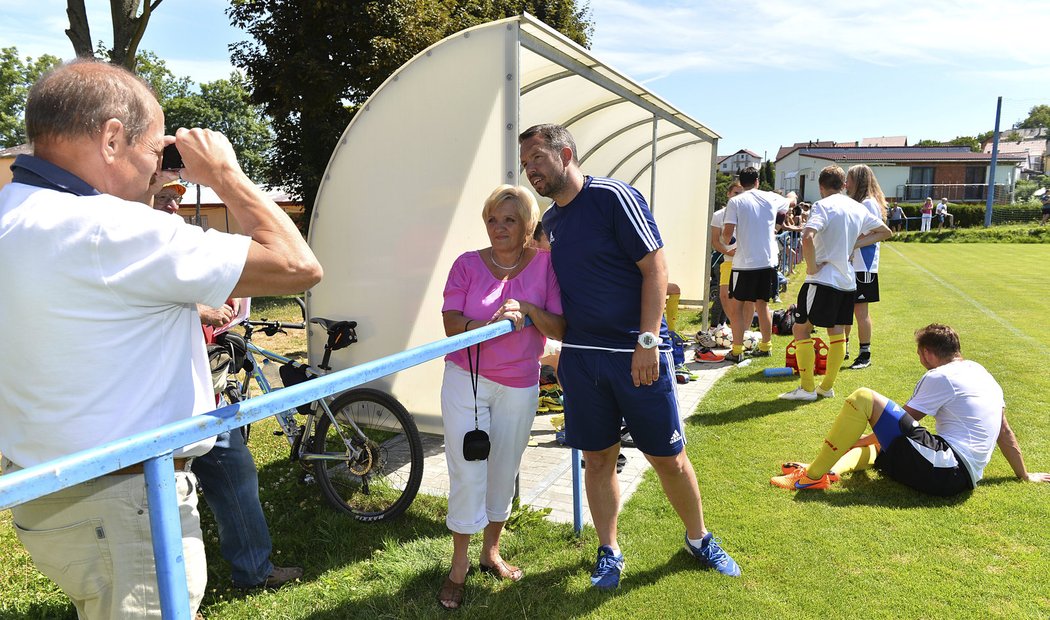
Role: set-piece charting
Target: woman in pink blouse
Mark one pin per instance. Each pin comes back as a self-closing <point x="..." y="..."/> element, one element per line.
<point x="508" y="280"/>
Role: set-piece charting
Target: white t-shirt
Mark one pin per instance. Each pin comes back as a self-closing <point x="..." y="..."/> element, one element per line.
<point x="754" y="213"/>
<point x="717" y="221"/>
<point x="99" y="322"/>
<point x="867" y="258"/>
<point x="967" y="403"/>
<point x="838" y="220"/>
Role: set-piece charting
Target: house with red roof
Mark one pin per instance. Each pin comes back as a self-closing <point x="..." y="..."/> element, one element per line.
<point x="733" y="164"/>
<point x="905" y="173"/>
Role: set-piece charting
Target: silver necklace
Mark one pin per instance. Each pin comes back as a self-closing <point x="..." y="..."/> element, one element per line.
<point x="492" y="257"/>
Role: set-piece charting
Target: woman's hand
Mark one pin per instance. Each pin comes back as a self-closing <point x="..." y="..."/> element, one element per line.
<point x="511" y="309"/>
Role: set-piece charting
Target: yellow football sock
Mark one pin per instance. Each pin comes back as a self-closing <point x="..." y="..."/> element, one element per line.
<point x="738" y="349"/>
<point x="847" y="429"/>
<point x="856" y="459"/>
<point x="805" y="357"/>
<point x="765" y="345"/>
<point x="836" y="354"/>
<point x="671" y="312"/>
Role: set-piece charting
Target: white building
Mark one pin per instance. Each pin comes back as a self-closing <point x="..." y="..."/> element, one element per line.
<point x="733" y="164"/>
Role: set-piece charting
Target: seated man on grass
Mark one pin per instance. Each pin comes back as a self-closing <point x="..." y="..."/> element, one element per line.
<point x="970" y="414"/>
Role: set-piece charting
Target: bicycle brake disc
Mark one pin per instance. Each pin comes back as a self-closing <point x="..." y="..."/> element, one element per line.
<point x="363" y="464"/>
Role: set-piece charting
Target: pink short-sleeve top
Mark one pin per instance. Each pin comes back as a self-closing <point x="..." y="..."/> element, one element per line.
<point x="512" y="359"/>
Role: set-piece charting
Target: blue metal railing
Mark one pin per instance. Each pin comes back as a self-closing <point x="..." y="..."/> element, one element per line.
<point x="155" y="448"/>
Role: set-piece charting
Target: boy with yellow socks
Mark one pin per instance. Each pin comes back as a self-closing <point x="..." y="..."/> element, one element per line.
<point x="837" y="226"/>
<point x="967" y="404"/>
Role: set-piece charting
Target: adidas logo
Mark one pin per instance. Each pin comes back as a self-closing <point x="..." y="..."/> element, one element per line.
<point x="675" y="437"/>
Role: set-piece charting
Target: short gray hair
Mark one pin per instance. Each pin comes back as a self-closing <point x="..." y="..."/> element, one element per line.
<point x="77" y="98"/>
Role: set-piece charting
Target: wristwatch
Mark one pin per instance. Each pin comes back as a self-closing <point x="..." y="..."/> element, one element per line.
<point x="649" y="340"/>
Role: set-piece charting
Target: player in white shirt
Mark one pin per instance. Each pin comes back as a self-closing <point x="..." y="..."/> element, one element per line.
<point x="837" y="226"/>
<point x="751" y="218"/>
<point x="862" y="186"/>
<point x="970" y="414"/>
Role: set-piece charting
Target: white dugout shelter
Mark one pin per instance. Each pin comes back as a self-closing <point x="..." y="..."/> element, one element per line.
<point x="403" y="192"/>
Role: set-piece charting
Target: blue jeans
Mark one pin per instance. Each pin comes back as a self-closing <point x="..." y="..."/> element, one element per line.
<point x="230" y="482"/>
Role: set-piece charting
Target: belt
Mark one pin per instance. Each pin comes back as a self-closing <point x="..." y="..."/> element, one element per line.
<point x="138" y="468"/>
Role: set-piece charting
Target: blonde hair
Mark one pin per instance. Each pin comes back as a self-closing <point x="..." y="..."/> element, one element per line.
<point x="524" y="205"/>
<point x="865" y="185"/>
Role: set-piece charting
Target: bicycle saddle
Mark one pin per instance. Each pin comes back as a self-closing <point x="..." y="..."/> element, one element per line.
<point x="340" y="333"/>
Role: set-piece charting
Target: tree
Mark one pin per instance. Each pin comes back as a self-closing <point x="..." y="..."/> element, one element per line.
<point x="128" y="27"/>
<point x="1038" y="116"/>
<point x="225" y="106"/>
<point x="974" y="142"/>
<point x="766" y="176"/>
<point x="311" y="64"/>
<point x="17" y="76"/>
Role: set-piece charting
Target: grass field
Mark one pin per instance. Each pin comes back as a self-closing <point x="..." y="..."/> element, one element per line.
<point x="869" y="547"/>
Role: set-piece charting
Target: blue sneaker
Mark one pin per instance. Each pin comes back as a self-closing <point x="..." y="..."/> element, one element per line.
<point x="711" y="555"/>
<point x="607" y="569"/>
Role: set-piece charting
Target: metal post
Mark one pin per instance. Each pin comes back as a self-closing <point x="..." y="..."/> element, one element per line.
<point x="577" y="495"/>
<point x="995" y="157"/>
<point x="166" y="531"/>
<point x="652" y="169"/>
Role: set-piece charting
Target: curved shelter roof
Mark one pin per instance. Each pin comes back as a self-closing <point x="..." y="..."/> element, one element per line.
<point x="403" y="192"/>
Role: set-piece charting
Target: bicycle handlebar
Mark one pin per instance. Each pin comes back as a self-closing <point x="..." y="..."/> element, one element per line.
<point x="271" y="328"/>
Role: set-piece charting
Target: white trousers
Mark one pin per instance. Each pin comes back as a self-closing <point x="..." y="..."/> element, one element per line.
<point x="924" y="223"/>
<point x="481" y="491"/>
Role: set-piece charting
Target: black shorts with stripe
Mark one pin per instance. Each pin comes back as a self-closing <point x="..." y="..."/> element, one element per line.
<point x="753" y="284"/>
<point x="908" y="461"/>
<point x="823" y="305"/>
<point x="867" y="288"/>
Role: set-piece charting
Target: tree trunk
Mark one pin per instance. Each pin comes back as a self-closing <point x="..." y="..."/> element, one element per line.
<point x="79" y="31"/>
<point x="128" y="28"/>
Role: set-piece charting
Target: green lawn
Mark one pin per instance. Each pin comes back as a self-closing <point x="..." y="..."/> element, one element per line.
<point x="867" y="548"/>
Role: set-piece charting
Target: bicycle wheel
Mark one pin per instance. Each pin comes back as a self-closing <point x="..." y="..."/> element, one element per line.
<point x="382" y="482"/>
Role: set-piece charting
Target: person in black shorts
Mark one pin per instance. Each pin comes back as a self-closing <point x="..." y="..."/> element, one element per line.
<point x="970" y="414"/>
<point x="838" y="225"/>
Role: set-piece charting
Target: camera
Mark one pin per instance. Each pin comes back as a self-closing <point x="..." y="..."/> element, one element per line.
<point x="476" y="445"/>
<point x="171" y="159"/>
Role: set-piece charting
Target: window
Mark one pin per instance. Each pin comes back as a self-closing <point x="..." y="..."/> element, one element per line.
<point x="920" y="182"/>
<point x="975" y="183"/>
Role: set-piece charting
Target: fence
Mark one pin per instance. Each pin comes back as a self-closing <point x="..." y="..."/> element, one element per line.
<point x="154" y="449"/>
<point x="954" y="192"/>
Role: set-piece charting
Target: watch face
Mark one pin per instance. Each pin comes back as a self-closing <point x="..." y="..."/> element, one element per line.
<point x="647" y="340"/>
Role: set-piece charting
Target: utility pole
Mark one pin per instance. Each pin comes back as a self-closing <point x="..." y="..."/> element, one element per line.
<point x="995" y="157"/>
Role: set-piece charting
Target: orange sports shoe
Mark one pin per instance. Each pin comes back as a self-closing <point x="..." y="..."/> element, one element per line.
<point x="790" y="466"/>
<point x="797" y="480"/>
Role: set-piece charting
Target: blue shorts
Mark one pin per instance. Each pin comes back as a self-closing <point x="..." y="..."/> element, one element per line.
<point x="599" y="393"/>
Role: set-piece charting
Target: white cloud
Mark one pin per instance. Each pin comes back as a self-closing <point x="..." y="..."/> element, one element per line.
<point x="650" y="39"/>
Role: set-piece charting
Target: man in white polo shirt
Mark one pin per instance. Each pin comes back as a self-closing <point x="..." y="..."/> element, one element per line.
<point x="837" y="226"/>
<point x="101" y="315"/>
<point x="751" y="217"/>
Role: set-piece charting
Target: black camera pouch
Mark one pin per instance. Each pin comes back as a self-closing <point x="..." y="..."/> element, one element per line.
<point x="476" y="445"/>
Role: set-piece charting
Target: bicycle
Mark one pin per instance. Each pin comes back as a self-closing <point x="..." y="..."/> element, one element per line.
<point x="362" y="446"/>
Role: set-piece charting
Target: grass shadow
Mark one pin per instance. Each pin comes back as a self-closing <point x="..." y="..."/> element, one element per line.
<point x="743" y="412"/>
<point x="863" y="489"/>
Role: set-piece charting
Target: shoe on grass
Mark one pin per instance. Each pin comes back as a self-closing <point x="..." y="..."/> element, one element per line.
<point x="790" y="466"/>
<point x="607" y="569"/>
<point x="705" y="355"/>
<point x="734" y="359"/>
<point x="711" y="555"/>
<point x="799" y="394"/>
<point x="797" y="480"/>
<point x="863" y="361"/>
<point x="829" y="393"/>
<point x="760" y="353"/>
<point x="278" y="576"/>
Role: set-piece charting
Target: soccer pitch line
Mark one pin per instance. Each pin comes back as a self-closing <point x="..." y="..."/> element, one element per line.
<point x="976" y="304"/>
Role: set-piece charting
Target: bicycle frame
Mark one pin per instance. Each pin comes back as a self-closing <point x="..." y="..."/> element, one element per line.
<point x="295" y="434"/>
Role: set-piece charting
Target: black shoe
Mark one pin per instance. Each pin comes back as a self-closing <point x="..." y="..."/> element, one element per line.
<point x="760" y="353"/>
<point x="863" y="361"/>
<point x="735" y="359"/>
<point x="625" y="438"/>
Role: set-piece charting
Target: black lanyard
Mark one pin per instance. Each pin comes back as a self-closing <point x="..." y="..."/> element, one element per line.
<point x="474" y="372"/>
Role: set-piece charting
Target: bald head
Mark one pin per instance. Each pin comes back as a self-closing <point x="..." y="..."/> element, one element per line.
<point x="77" y="98"/>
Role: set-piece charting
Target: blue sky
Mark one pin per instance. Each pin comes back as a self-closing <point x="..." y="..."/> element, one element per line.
<point x="762" y="74"/>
